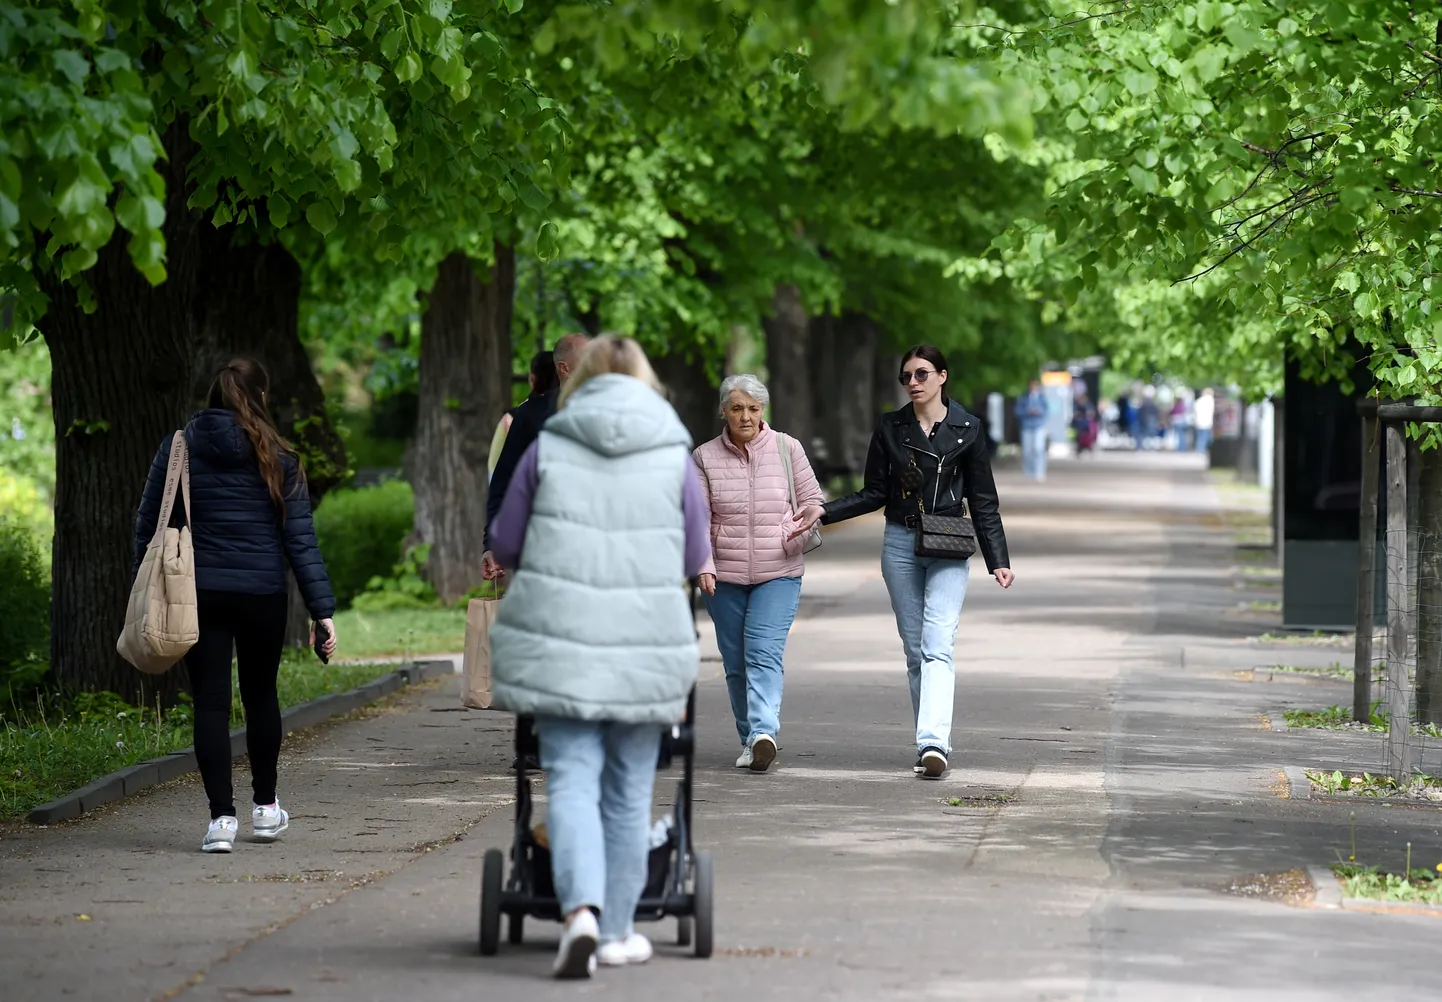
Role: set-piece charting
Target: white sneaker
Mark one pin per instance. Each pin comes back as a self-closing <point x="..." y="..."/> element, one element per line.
<point x="745" y="759"/>
<point x="634" y="949"/>
<point x="576" y="957"/>
<point x="266" y="823"/>
<point x="763" y="752"/>
<point x="221" y="835"/>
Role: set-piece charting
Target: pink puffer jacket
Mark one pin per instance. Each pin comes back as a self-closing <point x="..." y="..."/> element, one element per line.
<point x="751" y="512"/>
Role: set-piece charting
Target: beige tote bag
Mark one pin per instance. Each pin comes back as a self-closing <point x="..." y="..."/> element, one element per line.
<point x="480" y="614"/>
<point x="160" y="619"/>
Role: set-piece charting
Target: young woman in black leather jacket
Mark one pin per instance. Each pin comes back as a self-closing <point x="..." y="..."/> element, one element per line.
<point x="928" y="456"/>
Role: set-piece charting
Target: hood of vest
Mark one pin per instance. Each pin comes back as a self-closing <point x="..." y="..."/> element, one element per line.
<point x="615" y="415"/>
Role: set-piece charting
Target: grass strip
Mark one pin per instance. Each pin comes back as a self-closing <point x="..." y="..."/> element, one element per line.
<point x="1418" y="886"/>
<point x="55" y="745"/>
<point x="403" y="633"/>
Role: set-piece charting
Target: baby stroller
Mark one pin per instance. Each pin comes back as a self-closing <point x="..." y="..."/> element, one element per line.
<point x="679" y="879"/>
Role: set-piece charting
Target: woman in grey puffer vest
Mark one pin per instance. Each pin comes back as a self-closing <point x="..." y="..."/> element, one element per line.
<point x="603" y="521"/>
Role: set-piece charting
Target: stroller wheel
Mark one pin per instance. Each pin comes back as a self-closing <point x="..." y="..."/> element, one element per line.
<point x="516" y="928"/>
<point x="705" y="884"/>
<point x="683" y="931"/>
<point x="491" y="877"/>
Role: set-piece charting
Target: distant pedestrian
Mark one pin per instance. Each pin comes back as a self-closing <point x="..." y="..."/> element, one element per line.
<point x="1149" y="419"/>
<point x="1032" y="410"/>
<point x="754" y="587"/>
<point x="249" y="517"/>
<point x="1203" y="415"/>
<point x="1084" y="424"/>
<point x="927" y="457"/>
<point x="604" y="519"/>
<point x="543" y="380"/>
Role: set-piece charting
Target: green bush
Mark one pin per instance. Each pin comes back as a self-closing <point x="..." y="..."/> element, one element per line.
<point x="406" y="588"/>
<point x="361" y="532"/>
<point x="25" y="597"/>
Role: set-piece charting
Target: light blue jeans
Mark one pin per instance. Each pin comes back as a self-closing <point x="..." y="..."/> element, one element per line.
<point x="752" y="623"/>
<point x="599" y="779"/>
<point x="1033" y="452"/>
<point x="926" y="595"/>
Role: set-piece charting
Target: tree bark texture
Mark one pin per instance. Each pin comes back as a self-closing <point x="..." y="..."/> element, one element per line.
<point x="465" y="387"/>
<point x="692" y="392"/>
<point x="788" y="366"/>
<point x="121" y="380"/>
<point x="1429" y="588"/>
<point x="844" y="370"/>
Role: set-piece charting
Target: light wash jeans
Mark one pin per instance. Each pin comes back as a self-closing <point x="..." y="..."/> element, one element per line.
<point x="599" y="779"/>
<point x="752" y="623"/>
<point x="1033" y="452"/>
<point x="926" y="595"/>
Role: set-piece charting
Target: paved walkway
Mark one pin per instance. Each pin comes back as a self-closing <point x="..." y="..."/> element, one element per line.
<point x="1111" y="765"/>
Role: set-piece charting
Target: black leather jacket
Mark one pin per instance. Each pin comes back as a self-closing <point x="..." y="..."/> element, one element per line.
<point x="953" y="465"/>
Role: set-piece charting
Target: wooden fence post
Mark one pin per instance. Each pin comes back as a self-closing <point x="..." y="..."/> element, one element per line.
<point x="1366" y="570"/>
<point x="1399" y="725"/>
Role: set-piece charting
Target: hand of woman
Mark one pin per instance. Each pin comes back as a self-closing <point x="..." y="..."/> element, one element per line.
<point x="806" y="519"/>
<point x="707" y="583"/>
<point x="1004" y="576"/>
<point x="330" y="645"/>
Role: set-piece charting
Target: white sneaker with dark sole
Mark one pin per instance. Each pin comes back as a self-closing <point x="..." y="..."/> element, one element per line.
<point x="576" y="957"/>
<point x="744" y="760"/>
<point x="220" y="837"/>
<point x="932" y="764"/>
<point x="267" y="822"/>
<point x="763" y="752"/>
<point x="634" y="949"/>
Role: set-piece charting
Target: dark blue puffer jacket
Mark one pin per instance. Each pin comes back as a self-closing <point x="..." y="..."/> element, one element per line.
<point x="240" y="541"/>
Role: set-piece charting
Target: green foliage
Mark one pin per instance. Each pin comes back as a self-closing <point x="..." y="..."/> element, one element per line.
<point x="361" y="532"/>
<point x="1275" y="157"/>
<point x="1416" y="885"/>
<point x="25" y="597"/>
<point x="1336" y="717"/>
<point x="404" y="588"/>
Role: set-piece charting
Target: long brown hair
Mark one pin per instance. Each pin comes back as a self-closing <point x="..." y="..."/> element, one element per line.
<point x="241" y="387"/>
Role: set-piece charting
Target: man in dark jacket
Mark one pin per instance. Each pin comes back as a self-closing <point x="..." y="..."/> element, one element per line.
<point x="526" y="422"/>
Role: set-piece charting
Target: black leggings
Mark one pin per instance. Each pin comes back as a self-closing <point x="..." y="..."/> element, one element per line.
<point x="253" y="627"/>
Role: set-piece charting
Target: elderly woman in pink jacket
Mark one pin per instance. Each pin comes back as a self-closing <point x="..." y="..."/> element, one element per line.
<point x="755" y="584"/>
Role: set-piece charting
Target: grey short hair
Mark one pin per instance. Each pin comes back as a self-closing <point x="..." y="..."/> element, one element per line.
<point x="747" y="384"/>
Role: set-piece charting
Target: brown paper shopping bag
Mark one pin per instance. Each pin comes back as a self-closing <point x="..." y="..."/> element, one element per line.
<point x="480" y="614"/>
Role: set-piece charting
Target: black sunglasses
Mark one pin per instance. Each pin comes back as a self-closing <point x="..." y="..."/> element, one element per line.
<point x="920" y="375"/>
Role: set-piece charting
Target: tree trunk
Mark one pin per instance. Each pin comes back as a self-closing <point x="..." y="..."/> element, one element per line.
<point x="826" y="451"/>
<point x="788" y="366"/>
<point x="121" y="382"/>
<point x="465" y="387"/>
<point x="1429" y="588"/>
<point x="888" y="392"/>
<point x="691" y="391"/>
<point x="855" y="353"/>
<point x="248" y="303"/>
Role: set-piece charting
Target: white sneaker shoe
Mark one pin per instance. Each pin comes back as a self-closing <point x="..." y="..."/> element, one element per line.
<point x="745" y="759"/>
<point x="266" y="823"/>
<point x="577" y="956"/>
<point x="634" y="949"/>
<point x="763" y="752"/>
<point x="221" y="835"/>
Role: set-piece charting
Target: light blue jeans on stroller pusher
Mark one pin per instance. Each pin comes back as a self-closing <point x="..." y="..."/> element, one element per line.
<point x="926" y="596"/>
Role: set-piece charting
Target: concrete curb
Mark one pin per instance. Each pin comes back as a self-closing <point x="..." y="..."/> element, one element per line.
<point x="1324" y="883"/>
<point x="1277" y="722"/>
<point x="143" y="775"/>
<point x="1299" y="787"/>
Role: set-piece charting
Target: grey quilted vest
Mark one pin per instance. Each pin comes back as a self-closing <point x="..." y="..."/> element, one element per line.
<point x="596" y="624"/>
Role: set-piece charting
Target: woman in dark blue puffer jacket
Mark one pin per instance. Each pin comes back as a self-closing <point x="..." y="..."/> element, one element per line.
<point x="250" y="514"/>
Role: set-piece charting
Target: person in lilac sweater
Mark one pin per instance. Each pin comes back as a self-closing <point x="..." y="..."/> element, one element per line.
<point x="602" y="521"/>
